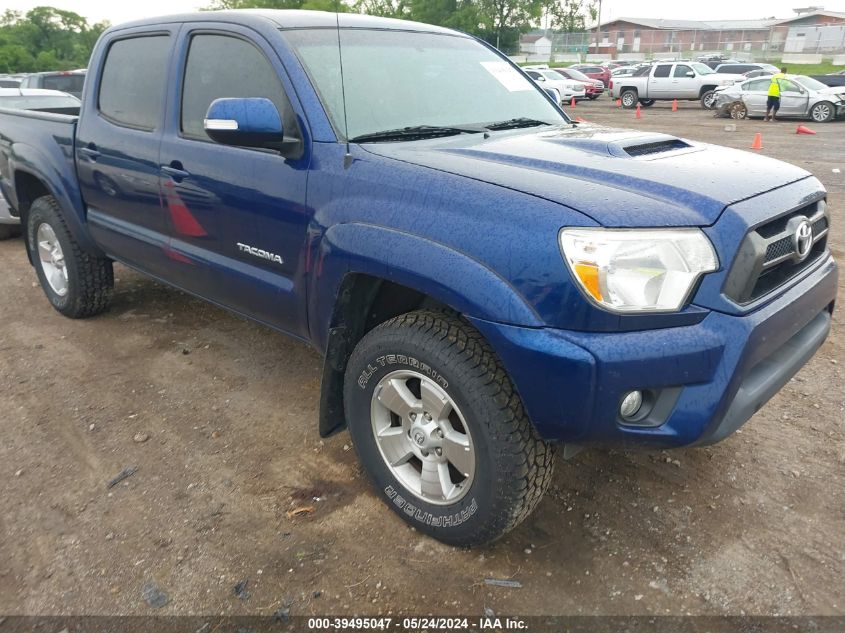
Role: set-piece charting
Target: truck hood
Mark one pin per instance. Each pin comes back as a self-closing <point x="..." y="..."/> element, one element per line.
<point x="619" y="178"/>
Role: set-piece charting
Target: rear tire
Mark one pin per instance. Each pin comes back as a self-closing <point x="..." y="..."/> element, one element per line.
<point x="426" y="395"/>
<point x="593" y="97"/>
<point x="629" y="99"/>
<point x="647" y="103"/>
<point x="77" y="284"/>
<point x="738" y="111"/>
<point x="8" y="231"/>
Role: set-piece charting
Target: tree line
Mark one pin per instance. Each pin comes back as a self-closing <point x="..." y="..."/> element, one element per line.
<point x="47" y="38"/>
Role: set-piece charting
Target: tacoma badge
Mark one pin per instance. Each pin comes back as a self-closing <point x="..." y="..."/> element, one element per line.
<point x="257" y="252"/>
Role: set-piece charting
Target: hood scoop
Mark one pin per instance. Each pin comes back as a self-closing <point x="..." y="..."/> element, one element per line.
<point x="655" y="147"/>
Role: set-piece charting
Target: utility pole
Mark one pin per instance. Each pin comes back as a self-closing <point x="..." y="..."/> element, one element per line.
<point x="598" y="31"/>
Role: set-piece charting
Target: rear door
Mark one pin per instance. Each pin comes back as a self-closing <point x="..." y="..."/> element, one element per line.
<point x="226" y="204"/>
<point x="755" y="94"/>
<point x="117" y="147"/>
<point x="660" y="82"/>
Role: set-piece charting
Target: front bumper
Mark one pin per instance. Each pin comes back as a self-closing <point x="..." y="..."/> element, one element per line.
<point x="709" y="378"/>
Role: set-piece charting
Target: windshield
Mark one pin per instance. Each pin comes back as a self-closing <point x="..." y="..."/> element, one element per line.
<point x="808" y="82"/>
<point x="702" y="69"/>
<point x="38" y="102"/>
<point x="398" y="79"/>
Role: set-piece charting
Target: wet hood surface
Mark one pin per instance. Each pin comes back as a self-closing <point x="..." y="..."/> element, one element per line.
<point x="620" y="178"/>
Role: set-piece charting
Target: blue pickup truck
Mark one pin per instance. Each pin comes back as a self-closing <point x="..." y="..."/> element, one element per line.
<point x="485" y="278"/>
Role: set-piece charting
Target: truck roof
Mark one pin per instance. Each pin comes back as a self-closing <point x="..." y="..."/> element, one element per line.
<point x="291" y="19"/>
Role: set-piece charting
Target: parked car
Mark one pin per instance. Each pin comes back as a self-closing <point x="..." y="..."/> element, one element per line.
<point x="566" y="89"/>
<point x="751" y="74"/>
<point x="801" y="97"/>
<point x="602" y="73"/>
<point x="742" y="68"/>
<point x="832" y="79"/>
<point x="9" y="82"/>
<point x="482" y="276"/>
<point x="69" y="81"/>
<point x="36" y="101"/>
<point x="712" y="61"/>
<point x="623" y="71"/>
<point x="593" y="87"/>
<point x="670" y="80"/>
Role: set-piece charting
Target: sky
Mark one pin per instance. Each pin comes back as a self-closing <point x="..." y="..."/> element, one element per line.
<point x="116" y="11"/>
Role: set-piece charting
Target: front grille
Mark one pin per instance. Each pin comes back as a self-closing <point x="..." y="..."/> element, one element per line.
<point x="768" y="259"/>
<point x="779" y="249"/>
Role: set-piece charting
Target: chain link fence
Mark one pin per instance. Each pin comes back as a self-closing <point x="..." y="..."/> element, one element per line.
<point x="805" y="44"/>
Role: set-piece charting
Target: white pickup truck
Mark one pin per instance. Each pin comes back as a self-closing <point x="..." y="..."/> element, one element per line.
<point x="671" y="80"/>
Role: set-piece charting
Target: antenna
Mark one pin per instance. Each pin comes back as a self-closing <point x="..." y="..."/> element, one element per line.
<point x="347" y="159"/>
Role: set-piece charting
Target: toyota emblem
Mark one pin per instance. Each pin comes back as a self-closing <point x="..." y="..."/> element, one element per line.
<point x="803" y="239"/>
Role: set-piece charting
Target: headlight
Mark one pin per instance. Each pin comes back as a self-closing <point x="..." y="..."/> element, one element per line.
<point x="638" y="270"/>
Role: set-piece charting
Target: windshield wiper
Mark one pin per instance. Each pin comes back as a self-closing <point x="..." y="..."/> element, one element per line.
<point x="417" y="132"/>
<point x="512" y="124"/>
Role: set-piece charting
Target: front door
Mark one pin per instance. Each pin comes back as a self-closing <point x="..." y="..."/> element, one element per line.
<point x="684" y="86"/>
<point x="794" y="100"/>
<point x="117" y="146"/>
<point x="238" y="216"/>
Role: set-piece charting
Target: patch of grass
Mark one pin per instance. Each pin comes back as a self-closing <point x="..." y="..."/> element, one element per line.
<point x="810" y="69"/>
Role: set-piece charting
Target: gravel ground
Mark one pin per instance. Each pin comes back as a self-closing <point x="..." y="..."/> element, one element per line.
<point x="217" y="417"/>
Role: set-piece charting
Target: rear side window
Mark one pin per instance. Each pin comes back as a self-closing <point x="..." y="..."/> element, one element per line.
<point x="662" y="70"/>
<point x="132" y="83"/>
<point x="221" y="66"/>
<point x="64" y="83"/>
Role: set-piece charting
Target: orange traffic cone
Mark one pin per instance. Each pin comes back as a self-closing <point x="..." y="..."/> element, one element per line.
<point x="639" y="115"/>
<point x="804" y="130"/>
<point x="619" y="103"/>
<point x="674" y="105"/>
<point x="758" y="141"/>
<point x="572" y="103"/>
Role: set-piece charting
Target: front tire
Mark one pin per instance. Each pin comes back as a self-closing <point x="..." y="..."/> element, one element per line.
<point x="441" y="431"/>
<point x="77" y="284"/>
<point x="708" y="99"/>
<point x="822" y="112"/>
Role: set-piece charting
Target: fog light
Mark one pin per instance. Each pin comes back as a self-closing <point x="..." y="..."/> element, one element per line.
<point x="631" y="403"/>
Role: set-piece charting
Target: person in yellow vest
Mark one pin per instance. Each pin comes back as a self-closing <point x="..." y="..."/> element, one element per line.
<point x="773" y="102"/>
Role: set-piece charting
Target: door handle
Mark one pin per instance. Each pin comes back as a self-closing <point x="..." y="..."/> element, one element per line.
<point x="175" y="171"/>
<point x="90" y="152"/>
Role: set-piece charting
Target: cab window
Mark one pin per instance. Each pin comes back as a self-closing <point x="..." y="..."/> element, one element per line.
<point x="223" y="66"/>
<point x="133" y="81"/>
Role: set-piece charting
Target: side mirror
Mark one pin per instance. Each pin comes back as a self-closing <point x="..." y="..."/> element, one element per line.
<point x="690" y="74"/>
<point x="249" y="122"/>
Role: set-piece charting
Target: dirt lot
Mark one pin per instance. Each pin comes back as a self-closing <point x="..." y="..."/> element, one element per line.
<point x="228" y="412"/>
